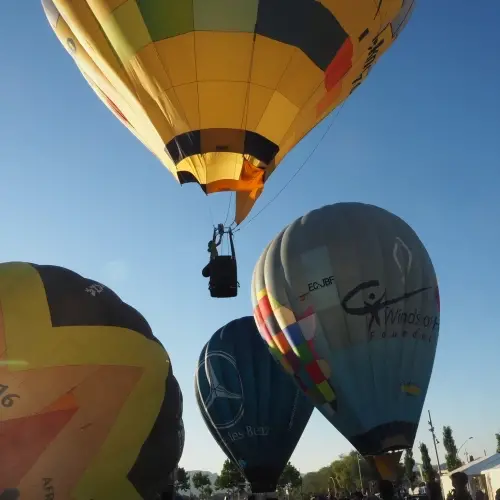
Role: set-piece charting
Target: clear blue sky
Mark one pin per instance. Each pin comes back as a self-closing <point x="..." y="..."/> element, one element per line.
<point x="421" y="138"/>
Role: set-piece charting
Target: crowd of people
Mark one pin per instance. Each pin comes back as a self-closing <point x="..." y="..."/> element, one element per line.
<point x="428" y="491"/>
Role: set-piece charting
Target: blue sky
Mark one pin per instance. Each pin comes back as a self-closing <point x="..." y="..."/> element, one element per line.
<point x="420" y="138"/>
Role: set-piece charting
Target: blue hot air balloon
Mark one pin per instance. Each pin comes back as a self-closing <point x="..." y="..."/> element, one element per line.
<point x="253" y="407"/>
<point x="347" y="300"/>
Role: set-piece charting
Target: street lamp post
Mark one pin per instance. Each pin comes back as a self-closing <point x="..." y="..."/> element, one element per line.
<point x="431" y="428"/>
<point x="464" y="443"/>
<point x="360" y="475"/>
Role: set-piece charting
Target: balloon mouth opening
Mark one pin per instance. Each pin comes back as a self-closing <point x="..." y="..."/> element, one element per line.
<point x="386" y="464"/>
<point x="269" y="495"/>
<point x="269" y="491"/>
<point x="385" y="439"/>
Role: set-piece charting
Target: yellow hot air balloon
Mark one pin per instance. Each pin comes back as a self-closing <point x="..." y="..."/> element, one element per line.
<point x="221" y="90"/>
<point x="89" y="405"/>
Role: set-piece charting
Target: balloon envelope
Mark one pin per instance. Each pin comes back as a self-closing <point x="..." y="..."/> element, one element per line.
<point x="221" y="93"/>
<point x="253" y="406"/>
<point x="206" y="417"/>
<point x="88" y="398"/>
<point x="347" y="300"/>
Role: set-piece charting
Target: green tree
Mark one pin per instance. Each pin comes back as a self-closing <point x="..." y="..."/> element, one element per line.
<point x="230" y="477"/>
<point x="341" y="476"/>
<point x="452" y="460"/>
<point x="345" y="472"/>
<point x="427" y="468"/>
<point x="290" y="479"/>
<point x="400" y="474"/>
<point x="409" y="464"/>
<point x="207" y="492"/>
<point x="202" y="483"/>
<point x="317" y="482"/>
<point x="497" y="435"/>
<point x="182" y="482"/>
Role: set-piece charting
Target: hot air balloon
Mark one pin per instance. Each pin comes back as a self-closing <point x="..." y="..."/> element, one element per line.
<point x="347" y="300"/>
<point x="221" y="92"/>
<point x="253" y="407"/>
<point x="89" y="405"/>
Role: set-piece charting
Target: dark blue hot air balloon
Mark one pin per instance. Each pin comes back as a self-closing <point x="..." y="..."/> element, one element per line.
<point x="253" y="409"/>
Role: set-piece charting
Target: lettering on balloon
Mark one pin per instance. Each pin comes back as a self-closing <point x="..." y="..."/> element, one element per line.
<point x="315" y="285"/>
<point x="95" y="289"/>
<point x="71" y="45"/>
<point x="257" y="431"/>
<point x="248" y="432"/>
<point x="48" y="488"/>
<point x="383" y="313"/>
<point x="7" y="398"/>
<point x="415" y="318"/>
<point x="373" y="52"/>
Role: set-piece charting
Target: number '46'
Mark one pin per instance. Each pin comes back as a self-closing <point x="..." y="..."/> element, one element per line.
<point x="7" y="398"/>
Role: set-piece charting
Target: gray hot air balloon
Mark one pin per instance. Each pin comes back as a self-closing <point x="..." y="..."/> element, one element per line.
<point x="347" y="299"/>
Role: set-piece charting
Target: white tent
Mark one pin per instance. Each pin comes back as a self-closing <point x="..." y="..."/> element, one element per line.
<point x="492" y="477"/>
<point x="477" y="473"/>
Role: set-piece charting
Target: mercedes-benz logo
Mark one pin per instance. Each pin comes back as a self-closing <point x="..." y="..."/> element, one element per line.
<point x="213" y="392"/>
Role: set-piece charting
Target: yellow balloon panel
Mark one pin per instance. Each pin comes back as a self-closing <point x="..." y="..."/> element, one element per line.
<point x="245" y="80"/>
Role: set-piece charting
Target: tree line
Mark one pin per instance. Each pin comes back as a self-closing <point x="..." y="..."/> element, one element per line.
<point x="230" y="480"/>
<point x="350" y="472"/>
